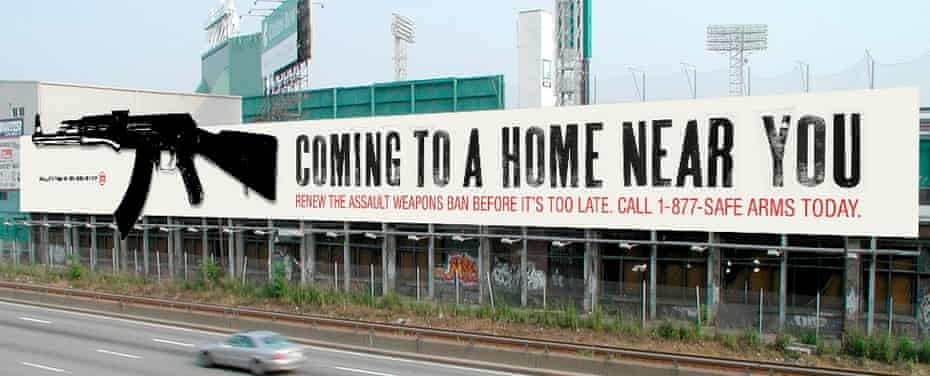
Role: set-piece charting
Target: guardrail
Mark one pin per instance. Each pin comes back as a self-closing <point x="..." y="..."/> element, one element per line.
<point x="420" y="333"/>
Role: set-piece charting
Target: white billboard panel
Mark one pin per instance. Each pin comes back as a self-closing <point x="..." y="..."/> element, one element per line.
<point x="842" y="163"/>
<point x="279" y="56"/>
<point x="9" y="163"/>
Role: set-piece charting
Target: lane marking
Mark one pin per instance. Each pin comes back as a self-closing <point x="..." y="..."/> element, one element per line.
<point x="117" y="319"/>
<point x="363" y="371"/>
<point x="47" y="368"/>
<point x="34" y="320"/>
<point x="130" y="356"/>
<point x="217" y="334"/>
<point x="172" y="342"/>
<point x="412" y="361"/>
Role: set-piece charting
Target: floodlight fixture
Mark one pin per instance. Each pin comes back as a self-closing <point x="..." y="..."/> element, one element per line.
<point x="509" y="240"/>
<point x="774" y="253"/>
<point x="192" y="229"/>
<point x="460" y="238"/>
<point x="560" y="244"/>
<point x="737" y="41"/>
<point x="415" y="238"/>
<point x="755" y="270"/>
<point x="371" y="235"/>
<point x="67" y="225"/>
<point x="404" y="32"/>
<point x="332" y="234"/>
<point x="698" y="248"/>
<point x="137" y="227"/>
<point x="626" y="246"/>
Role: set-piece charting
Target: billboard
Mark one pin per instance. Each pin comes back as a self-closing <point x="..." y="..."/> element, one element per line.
<point x="11" y="127"/>
<point x="805" y="164"/>
<point x="10" y="130"/>
<point x="279" y="37"/>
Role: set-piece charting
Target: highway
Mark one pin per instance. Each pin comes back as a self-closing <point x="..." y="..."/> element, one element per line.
<point x="40" y="341"/>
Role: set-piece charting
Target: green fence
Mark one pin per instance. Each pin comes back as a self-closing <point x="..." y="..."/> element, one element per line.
<point x="392" y="98"/>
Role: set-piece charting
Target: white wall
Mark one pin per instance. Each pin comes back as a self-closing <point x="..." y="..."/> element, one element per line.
<point x="59" y="102"/>
<point x="535" y="44"/>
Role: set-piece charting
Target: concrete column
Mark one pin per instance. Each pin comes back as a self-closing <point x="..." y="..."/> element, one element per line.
<point x="65" y="234"/>
<point x="783" y="283"/>
<point x="653" y="255"/>
<point x="231" y="249"/>
<point x="171" y="249"/>
<point x="712" y="299"/>
<point x="44" y="234"/>
<point x="923" y="290"/>
<point x="852" y="287"/>
<point x="30" y="241"/>
<point x="523" y="252"/>
<point x="239" y="237"/>
<point x="270" y="248"/>
<point x="870" y="316"/>
<point x="310" y="261"/>
<point x="346" y="258"/>
<point x="388" y="260"/>
<point x="75" y="238"/>
<point x="123" y="255"/>
<point x="592" y="270"/>
<point x="431" y="261"/>
<point x="115" y="252"/>
<point x="145" y="245"/>
<point x="484" y="263"/>
<point x="93" y="243"/>
<point x="204" y="241"/>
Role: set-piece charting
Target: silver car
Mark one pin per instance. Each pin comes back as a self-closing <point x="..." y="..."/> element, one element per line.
<point x="256" y="351"/>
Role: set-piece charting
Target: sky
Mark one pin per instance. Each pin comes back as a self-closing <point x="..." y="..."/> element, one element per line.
<point x="157" y="44"/>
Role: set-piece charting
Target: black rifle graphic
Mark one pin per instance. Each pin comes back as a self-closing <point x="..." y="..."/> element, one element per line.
<point x="249" y="157"/>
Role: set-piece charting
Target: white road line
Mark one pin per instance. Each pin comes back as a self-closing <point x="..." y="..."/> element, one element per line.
<point x="413" y="361"/>
<point x="363" y="371"/>
<point x="204" y="332"/>
<point x="117" y="319"/>
<point x="47" y="368"/>
<point x="172" y="342"/>
<point x="130" y="356"/>
<point x="34" y="320"/>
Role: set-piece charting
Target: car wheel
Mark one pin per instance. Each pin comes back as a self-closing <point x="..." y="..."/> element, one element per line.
<point x="205" y="359"/>
<point x="257" y="368"/>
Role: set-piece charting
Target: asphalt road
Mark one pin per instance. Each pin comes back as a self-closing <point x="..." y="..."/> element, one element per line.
<point x="40" y="341"/>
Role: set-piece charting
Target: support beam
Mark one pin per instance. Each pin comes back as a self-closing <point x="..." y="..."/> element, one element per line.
<point x="783" y="284"/>
<point x="346" y="258"/>
<point x="93" y="244"/>
<point x="171" y="249"/>
<point x="852" y="287"/>
<point x="44" y="235"/>
<point x="523" y="282"/>
<point x="653" y="255"/>
<point x="145" y="246"/>
<point x="923" y="292"/>
<point x="713" y="278"/>
<point x="484" y="263"/>
<point x="303" y="252"/>
<point x="231" y="249"/>
<point x="431" y="261"/>
<point x="388" y="260"/>
<point x="270" y="248"/>
<point x="592" y="271"/>
<point x="31" y="242"/>
<point x="310" y="261"/>
<point x="65" y="234"/>
<point x="115" y="251"/>
<point x="204" y="241"/>
<point x="870" y="316"/>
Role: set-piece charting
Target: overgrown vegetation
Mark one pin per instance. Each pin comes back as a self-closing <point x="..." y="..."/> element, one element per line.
<point x="561" y="314"/>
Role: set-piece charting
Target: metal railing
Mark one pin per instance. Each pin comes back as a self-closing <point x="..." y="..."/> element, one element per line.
<point x="420" y="333"/>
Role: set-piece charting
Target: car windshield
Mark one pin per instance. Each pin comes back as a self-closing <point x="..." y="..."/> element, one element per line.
<point x="275" y="340"/>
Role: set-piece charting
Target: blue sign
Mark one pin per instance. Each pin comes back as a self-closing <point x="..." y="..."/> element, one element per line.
<point x="11" y="127"/>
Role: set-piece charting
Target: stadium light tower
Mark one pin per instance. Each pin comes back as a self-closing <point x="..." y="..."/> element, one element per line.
<point x="403" y="31"/>
<point x="737" y="41"/>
